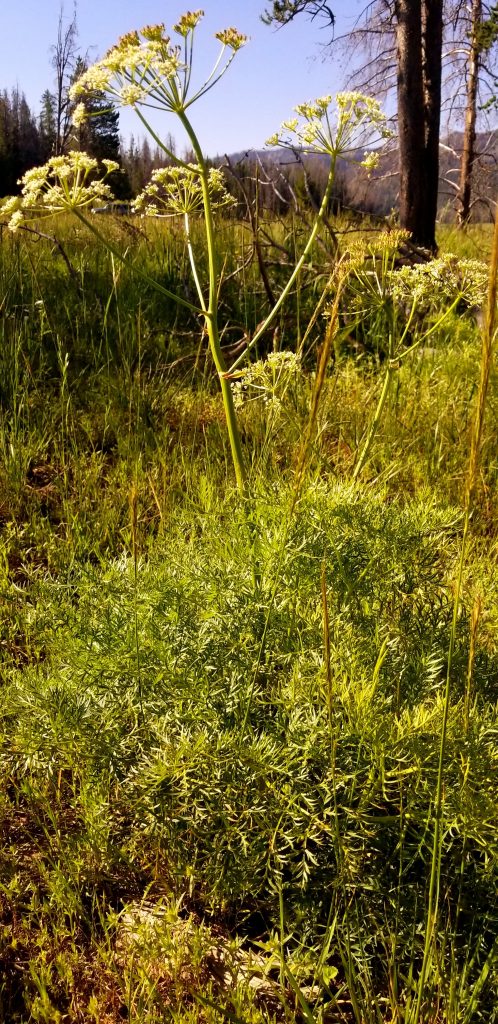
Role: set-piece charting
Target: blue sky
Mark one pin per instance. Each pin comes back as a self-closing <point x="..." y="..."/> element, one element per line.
<point x="276" y="70"/>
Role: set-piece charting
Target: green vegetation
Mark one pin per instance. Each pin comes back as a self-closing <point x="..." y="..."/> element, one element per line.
<point x="248" y="733"/>
<point x="218" y="786"/>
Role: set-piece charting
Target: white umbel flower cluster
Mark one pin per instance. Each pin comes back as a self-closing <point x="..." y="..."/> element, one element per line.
<point x="63" y="183"/>
<point x="343" y="126"/>
<point x="178" y="190"/>
<point x="267" y="380"/>
<point x="439" y="282"/>
<point x="146" y="69"/>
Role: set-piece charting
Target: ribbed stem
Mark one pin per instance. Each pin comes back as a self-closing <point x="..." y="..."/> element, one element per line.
<point x="211" y="313"/>
<point x="297" y="269"/>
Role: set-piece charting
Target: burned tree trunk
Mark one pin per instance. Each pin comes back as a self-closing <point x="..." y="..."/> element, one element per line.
<point x="432" y="46"/>
<point x="419" y="25"/>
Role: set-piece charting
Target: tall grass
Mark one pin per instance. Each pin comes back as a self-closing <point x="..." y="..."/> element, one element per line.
<point x="434" y="897"/>
<point x="186" y="809"/>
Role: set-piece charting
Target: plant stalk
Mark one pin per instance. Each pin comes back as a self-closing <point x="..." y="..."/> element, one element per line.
<point x="211" y="314"/>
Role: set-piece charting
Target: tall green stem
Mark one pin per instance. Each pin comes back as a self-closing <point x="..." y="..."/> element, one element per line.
<point x="391" y="367"/>
<point x="297" y="269"/>
<point x="193" y="265"/>
<point x="211" y="313"/>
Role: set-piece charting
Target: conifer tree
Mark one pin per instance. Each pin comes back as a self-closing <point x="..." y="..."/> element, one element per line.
<point x="46" y="123"/>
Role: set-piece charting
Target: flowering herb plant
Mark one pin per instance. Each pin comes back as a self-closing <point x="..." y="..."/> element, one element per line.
<point x="177" y="191"/>
<point x="63" y="183"/>
<point x="147" y="70"/>
<point x="344" y="125"/>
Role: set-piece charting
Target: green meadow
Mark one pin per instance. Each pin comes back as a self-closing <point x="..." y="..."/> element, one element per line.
<point x="248" y="742"/>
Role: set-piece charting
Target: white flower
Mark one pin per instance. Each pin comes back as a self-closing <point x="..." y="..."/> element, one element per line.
<point x="268" y="380"/>
<point x="370" y="161"/>
<point x="80" y="115"/>
<point x="178" y="190"/>
<point x="16" y="220"/>
<point x="357" y="119"/>
<point x="110" y="165"/>
<point x="63" y="183"/>
<point x="130" y="95"/>
<point x="439" y="282"/>
<point x="10" y="205"/>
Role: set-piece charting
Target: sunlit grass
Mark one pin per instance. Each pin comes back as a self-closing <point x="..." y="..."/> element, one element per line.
<point x="191" y="799"/>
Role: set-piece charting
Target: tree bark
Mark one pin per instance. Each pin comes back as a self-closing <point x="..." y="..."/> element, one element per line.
<point x="432" y="47"/>
<point x="469" y="135"/>
<point x="410" y="110"/>
<point x="419" y="25"/>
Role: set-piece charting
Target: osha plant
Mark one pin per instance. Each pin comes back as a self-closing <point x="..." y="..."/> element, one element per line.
<point x="177" y="191"/>
<point x="147" y="71"/>
<point x="268" y="380"/>
<point x="439" y="282"/>
<point x="330" y="128"/>
<point x="63" y="183"/>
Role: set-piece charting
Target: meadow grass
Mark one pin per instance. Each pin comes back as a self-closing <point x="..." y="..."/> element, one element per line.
<point x="218" y="784"/>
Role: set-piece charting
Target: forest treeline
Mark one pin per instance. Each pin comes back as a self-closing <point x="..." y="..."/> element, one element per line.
<point x="280" y="180"/>
<point x="28" y="139"/>
<point x="463" y="165"/>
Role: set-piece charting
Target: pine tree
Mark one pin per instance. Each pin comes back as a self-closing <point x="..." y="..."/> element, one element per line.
<point x="47" y="126"/>
<point x="20" y="146"/>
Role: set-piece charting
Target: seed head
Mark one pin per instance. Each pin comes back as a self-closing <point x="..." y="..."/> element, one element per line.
<point x="188" y="22"/>
<point x="155" y="34"/>
<point x="370" y="161"/>
<point x="129" y="39"/>
<point x="232" y="38"/>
